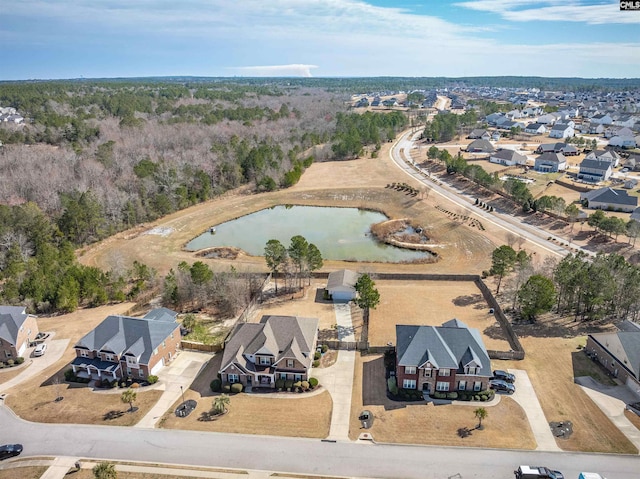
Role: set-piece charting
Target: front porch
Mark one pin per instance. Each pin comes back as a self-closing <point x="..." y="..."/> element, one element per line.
<point x="96" y="369"/>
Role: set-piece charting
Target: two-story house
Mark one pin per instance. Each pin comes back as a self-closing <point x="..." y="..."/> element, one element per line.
<point x="278" y="347"/>
<point x="594" y="171"/>
<point x="17" y="330"/>
<point x="122" y="346"/>
<point x="451" y="357"/>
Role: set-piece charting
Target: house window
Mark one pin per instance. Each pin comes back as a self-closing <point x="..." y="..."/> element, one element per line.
<point x="171" y="335"/>
<point x="155" y="351"/>
<point x="297" y="377"/>
<point x="84" y="354"/>
<point x="283" y="376"/>
<point x="108" y="357"/>
<point x="462" y="385"/>
<point x="409" y="369"/>
<point x="141" y="373"/>
<point x="409" y="384"/>
<point x="427" y="373"/>
<point x="164" y="344"/>
<point x="289" y="363"/>
<point x="442" y="386"/>
<point x="472" y="371"/>
<point x="8" y="354"/>
<point x="444" y="372"/>
<point x="233" y="378"/>
<point x="477" y="385"/>
<point x="265" y="360"/>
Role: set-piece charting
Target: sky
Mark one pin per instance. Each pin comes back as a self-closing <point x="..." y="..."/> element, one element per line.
<point x="51" y="39"/>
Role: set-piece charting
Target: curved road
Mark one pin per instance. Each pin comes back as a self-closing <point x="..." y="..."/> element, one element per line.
<point x="507" y="222"/>
<point x="294" y="455"/>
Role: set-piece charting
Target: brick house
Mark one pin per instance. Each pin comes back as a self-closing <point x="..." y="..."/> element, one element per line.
<point x="278" y="347"/>
<point x="451" y="357"/>
<point x="17" y="330"/>
<point x="122" y="346"/>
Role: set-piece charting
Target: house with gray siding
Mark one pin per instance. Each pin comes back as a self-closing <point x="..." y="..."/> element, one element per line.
<point x="550" y="162"/>
<point x="595" y="171"/>
<point x="609" y="199"/>
<point x="341" y="285"/>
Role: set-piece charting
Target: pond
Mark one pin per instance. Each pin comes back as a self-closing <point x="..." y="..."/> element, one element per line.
<point x="339" y="233"/>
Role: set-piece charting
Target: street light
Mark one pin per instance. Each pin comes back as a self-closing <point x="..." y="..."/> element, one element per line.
<point x="182" y="391"/>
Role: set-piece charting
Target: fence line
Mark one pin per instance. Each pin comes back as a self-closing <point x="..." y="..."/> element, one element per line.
<point x="211" y="348"/>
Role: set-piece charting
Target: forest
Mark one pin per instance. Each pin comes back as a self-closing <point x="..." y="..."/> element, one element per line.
<point x="95" y="157"/>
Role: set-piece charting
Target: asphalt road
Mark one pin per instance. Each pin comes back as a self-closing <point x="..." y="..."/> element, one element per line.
<point x="507" y="222"/>
<point x="293" y="455"/>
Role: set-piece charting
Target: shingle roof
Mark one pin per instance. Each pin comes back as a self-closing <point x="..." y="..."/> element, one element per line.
<point x="449" y="346"/>
<point x="624" y="346"/>
<point x="550" y="157"/>
<point x="560" y="127"/>
<point x="595" y="164"/>
<point x="126" y="335"/>
<point x="342" y="278"/>
<point x="481" y="145"/>
<point x="11" y="320"/>
<point x="509" y="155"/>
<point x="279" y="336"/>
<point x="611" y="196"/>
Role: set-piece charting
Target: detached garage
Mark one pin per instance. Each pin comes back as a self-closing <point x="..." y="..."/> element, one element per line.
<point x="341" y="285"/>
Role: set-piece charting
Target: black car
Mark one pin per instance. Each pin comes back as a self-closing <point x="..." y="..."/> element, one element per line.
<point x="10" y="450"/>
<point x="504" y="376"/>
<point x="502" y="386"/>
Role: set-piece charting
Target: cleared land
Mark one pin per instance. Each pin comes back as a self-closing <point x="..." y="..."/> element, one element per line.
<point x="28" y="472"/>
<point x="431" y="303"/>
<point x="297" y="415"/>
<point x="506" y="425"/>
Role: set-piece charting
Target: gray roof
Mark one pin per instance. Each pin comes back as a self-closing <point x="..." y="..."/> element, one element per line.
<point x="126" y="335"/>
<point x="277" y="336"/>
<point x="509" y="155"/>
<point x="635" y="215"/>
<point x="602" y="155"/>
<point x="478" y="132"/>
<point x="535" y="126"/>
<point x="161" y="314"/>
<point x="595" y="164"/>
<point x="481" y="145"/>
<point x="611" y="196"/>
<point x="550" y="157"/>
<point x="11" y="320"/>
<point x="562" y="147"/>
<point x="450" y="346"/>
<point x="560" y="126"/>
<point x="344" y="278"/>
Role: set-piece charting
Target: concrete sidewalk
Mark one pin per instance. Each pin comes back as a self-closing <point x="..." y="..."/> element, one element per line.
<point x="59" y="468"/>
<point x="526" y="396"/>
<point x="180" y="373"/>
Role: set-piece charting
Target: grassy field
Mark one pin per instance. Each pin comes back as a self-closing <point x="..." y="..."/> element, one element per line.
<point x="298" y="415"/>
<point x="28" y="472"/>
<point x="506" y="425"/>
<point x="431" y="303"/>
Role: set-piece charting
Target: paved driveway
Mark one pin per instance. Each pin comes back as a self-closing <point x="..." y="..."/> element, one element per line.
<point x="180" y="373"/>
<point x="612" y="401"/>
<point x="55" y="350"/>
<point x="526" y="396"/>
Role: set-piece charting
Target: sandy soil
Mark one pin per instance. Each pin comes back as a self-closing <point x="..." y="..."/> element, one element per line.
<point x="432" y="303"/>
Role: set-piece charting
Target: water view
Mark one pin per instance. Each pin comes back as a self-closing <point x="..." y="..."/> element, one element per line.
<point x="339" y="233"/>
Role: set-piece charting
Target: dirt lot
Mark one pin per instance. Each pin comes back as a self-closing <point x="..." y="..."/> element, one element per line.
<point x="306" y="415"/>
<point x="29" y="472"/>
<point x="506" y="425"/>
<point x="431" y="303"/>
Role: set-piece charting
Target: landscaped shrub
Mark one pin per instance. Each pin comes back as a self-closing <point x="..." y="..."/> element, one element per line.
<point x="317" y="355"/>
<point x="123" y="384"/>
<point x="452" y="395"/>
<point x="10" y="362"/>
<point x="439" y="395"/>
<point x="215" y="385"/>
<point x="325" y="348"/>
<point x="226" y="388"/>
<point x="1" y="365"/>
<point x="19" y="360"/>
<point x="305" y="385"/>
<point x="279" y="384"/>
<point x="297" y="385"/>
<point x="288" y="384"/>
<point x="114" y="383"/>
<point x="313" y="382"/>
<point x="69" y="375"/>
<point x="135" y="385"/>
<point x="316" y="364"/>
<point x="152" y="379"/>
<point x="236" y="388"/>
<point x="476" y="397"/>
<point x="392" y="385"/>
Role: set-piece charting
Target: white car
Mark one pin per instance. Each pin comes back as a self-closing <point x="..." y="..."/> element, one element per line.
<point x="40" y="349"/>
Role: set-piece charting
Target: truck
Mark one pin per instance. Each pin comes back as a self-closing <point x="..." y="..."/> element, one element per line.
<point x="537" y="472"/>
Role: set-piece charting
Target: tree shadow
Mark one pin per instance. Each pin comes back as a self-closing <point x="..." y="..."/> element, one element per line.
<point x="468" y="300"/>
<point x="109" y="416"/>
<point x="464" y="432"/>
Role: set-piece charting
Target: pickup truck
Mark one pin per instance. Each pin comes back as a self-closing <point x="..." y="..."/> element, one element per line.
<point x="537" y="472"/>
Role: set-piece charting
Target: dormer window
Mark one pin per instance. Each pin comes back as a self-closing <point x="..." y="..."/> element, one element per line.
<point x="265" y="360"/>
<point x="289" y="363"/>
<point x="84" y="353"/>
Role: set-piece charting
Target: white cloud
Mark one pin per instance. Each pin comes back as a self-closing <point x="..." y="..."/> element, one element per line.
<point x="555" y="11"/>
<point x="293" y="70"/>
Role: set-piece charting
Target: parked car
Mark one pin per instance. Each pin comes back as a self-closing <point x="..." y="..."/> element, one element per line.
<point x="503" y="375"/>
<point x="40" y="349"/>
<point x="10" y="450"/>
<point x="502" y="386"/>
<point x="537" y="472"/>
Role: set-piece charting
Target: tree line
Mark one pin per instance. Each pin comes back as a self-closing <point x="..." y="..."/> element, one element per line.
<point x="293" y="263"/>
<point x="606" y="286"/>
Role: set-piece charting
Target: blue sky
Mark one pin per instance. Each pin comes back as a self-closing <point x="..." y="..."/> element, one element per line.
<point x="122" y="38"/>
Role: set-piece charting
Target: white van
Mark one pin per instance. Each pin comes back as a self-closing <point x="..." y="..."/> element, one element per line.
<point x="590" y="475"/>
